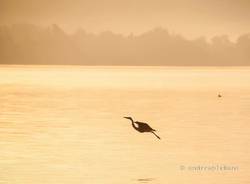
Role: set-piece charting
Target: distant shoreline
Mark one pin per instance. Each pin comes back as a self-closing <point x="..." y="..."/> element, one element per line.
<point x="147" y="66"/>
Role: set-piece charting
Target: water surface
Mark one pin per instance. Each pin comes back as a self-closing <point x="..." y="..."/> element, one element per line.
<point x="63" y="124"/>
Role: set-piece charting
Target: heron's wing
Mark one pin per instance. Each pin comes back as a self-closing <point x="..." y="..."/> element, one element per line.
<point x="141" y="123"/>
<point x="144" y="125"/>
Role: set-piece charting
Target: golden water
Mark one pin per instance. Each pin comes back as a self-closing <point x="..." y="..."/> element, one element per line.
<point x="64" y="124"/>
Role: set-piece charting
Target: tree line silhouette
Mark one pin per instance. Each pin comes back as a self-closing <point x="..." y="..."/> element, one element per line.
<point x="31" y="44"/>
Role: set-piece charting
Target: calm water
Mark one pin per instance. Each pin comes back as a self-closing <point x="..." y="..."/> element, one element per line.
<point x="64" y="125"/>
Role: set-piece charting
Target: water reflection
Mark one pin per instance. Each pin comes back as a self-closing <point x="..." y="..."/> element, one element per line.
<point x="145" y="180"/>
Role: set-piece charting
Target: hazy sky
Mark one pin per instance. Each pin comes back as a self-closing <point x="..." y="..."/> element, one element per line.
<point x="191" y="18"/>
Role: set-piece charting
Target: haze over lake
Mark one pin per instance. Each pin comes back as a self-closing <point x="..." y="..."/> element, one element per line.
<point x="64" y="124"/>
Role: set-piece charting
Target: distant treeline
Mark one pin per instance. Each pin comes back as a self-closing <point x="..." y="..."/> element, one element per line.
<point x="30" y="44"/>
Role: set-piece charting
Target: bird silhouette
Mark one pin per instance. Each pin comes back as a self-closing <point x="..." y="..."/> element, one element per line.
<point x="142" y="127"/>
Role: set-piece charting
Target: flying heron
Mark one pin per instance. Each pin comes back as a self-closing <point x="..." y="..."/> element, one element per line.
<point x="142" y="127"/>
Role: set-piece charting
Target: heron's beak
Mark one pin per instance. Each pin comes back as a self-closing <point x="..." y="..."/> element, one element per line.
<point x="126" y="117"/>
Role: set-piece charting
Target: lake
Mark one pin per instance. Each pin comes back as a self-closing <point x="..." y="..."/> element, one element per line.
<point x="64" y="124"/>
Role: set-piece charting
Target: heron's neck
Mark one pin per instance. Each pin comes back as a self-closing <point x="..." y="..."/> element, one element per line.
<point x="133" y="123"/>
<point x="131" y="120"/>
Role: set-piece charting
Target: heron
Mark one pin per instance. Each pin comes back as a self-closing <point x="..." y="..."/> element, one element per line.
<point x="142" y="127"/>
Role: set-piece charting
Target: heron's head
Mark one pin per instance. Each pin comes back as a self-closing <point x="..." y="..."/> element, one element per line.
<point x="128" y="118"/>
